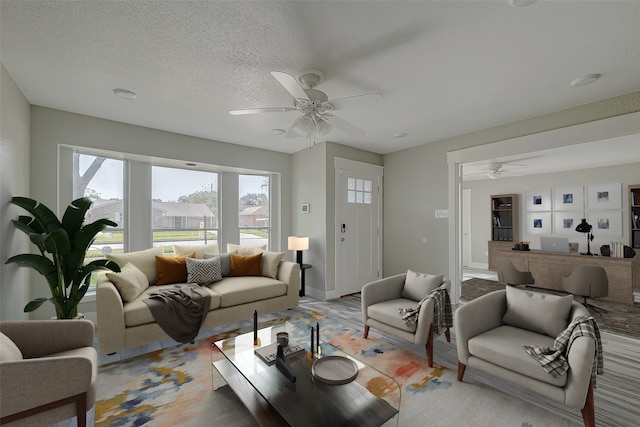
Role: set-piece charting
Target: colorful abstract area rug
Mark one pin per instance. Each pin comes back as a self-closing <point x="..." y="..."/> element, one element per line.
<point x="174" y="386"/>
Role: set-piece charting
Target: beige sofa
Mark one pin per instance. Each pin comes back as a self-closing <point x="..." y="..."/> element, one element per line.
<point x="125" y="322"/>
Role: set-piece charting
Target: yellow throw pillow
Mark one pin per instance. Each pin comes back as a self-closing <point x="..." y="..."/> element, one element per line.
<point x="246" y="265"/>
<point x="172" y="269"/>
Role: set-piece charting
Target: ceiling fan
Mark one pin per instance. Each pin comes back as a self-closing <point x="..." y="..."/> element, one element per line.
<point x="497" y="170"/>
<point x="317" y="118"/>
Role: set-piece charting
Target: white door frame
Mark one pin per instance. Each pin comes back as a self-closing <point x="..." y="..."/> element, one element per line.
<point x="342" y="164"/>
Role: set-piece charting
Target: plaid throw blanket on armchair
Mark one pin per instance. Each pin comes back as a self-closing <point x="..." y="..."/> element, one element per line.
<point x="553" y="360"/>
<point x="442" y="315"/>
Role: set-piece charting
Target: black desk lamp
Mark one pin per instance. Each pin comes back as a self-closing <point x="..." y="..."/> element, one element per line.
<point x="585" y="227"/>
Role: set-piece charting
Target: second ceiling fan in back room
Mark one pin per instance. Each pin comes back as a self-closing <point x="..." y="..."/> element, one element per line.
<point x="317" y="118"/>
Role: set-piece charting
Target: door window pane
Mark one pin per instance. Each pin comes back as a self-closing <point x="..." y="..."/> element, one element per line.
<point x="359" y="190"/>
<point x="254" y="210"/>
<point x="184" y="206"/>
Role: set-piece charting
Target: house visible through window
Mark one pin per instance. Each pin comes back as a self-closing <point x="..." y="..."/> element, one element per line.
<point x="184" y="206"/>
<point x="254" y="210"/>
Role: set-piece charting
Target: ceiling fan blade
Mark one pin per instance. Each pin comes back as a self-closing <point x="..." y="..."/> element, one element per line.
<point x="343" y="125"/>
<point x="260" y="110"/>
<point x="290" y="84"/>
<point x="356" y="101"/>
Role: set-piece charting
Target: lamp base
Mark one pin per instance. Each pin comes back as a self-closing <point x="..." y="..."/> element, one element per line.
<point x="299" y="257"/>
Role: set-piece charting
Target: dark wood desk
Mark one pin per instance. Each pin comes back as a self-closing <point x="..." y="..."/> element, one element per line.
<point x="549" y="267"/>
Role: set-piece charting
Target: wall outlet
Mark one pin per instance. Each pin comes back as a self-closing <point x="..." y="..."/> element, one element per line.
<point x="486" y="253"/>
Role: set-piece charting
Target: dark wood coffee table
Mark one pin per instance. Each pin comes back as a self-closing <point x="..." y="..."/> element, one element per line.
<point x="274" y="400"/>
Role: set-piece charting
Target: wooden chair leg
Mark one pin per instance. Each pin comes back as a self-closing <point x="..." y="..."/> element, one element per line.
<point x="81" y="410"/>
<point x="588" y="411"/>
<point x="429" y="347"/>
<point x="461" y="368"/>
<point x="366" y="331"/>
<point x="447" y="334"/>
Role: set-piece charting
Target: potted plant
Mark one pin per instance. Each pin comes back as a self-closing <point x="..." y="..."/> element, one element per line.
<point x="63" y="245"/>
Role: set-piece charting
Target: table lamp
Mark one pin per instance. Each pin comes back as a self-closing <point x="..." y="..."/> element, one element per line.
<point x="298" y="244"/>
<point x="585" y="227"/>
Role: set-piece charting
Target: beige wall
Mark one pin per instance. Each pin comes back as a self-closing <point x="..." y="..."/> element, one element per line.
<point x="314" y="183"/>
<point x="416" y="184"/>
<point x="15" y="122"/>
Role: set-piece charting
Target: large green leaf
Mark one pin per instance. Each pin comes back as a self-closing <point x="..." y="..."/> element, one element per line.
<point x="27" y="225"/>
<point x="74" y="215"/>
<point x="36" y="303"/>
<point x="45" y="216"/>
<point x="57" y="242"/>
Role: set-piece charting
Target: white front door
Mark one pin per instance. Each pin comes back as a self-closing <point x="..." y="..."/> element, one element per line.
<point x="358" y="233"/>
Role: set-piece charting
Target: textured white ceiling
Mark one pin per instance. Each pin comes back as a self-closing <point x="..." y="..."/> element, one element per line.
<point x="445" y="68"/>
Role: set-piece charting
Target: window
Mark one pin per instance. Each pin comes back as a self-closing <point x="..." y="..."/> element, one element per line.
<point x="184" y="206"/>
<point x="102" y="180"/>
<point x="359" y="190"/>
<point x="254" y="210"/>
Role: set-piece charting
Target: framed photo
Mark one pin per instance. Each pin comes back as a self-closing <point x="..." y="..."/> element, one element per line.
<point x="566" y="222"/>
<point x="601" y="197"/>
<point x="538" y="200"/>
<point x="539" y="223"/>
<point x="568" y="199"/>
<point x="605" y="223"/>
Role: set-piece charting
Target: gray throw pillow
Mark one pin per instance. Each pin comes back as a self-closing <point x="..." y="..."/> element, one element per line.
<point x="203" y="271"/>
<point x="537" y="312"/>
<point x="418" y="285"/>
<point x="225" y="263"/>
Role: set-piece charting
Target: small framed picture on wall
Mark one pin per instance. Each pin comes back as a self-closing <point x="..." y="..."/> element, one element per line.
<point x="566" y="222"/>
<point x="539" y="223"/>
<point x="605" y="223"/>
<point x="568" y="199"/>
<point x="600" y="197"/>
<point x="538" y="200"/>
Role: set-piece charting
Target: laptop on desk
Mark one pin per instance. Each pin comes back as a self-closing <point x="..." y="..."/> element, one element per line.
<point x="554" y="244"/>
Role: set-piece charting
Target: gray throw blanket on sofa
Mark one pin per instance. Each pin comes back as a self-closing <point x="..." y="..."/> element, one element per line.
<point x="554" y="361"/>
<point x="442" y="315"/>
<point x="180" y="311"/>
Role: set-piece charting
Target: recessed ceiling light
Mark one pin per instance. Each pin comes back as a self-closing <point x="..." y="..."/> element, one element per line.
<point x="521" y="3"/>
<point x="125" y="94"/>
<point x="400" y="135"/>
<point x="585" y="80"/>
<point x="279" y="131"/>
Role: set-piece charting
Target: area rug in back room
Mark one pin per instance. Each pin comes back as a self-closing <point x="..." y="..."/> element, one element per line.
<point x="174" y="386"/>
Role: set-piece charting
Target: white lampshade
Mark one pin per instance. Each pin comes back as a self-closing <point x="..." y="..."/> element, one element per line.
<point x="298" y="243"/>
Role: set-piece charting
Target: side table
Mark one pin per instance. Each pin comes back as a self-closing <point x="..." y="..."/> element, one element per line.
<point x="303" y="267"/>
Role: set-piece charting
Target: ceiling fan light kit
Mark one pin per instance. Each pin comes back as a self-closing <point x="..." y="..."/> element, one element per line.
<point x="317" y="119"/>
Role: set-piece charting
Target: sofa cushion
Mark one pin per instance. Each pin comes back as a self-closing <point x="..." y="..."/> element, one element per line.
<point x="145" y="261"/>
<point x="203" y="271"/>
<point x="537" y="311"/>
<point x="245" y="250"/>
<point x="137" y="312"/>
<point x="270" y="263"/>
<point x="242" y="290"/>
<point x="246" y="265"/>
<point x="172" y="269"/>
<point x="418" y="285"/>
<point x="503" y="347"/>
<point x="387" y="312"/>
<point x="199" y="250"/>
<point x="8" y="349"/>
<point x="130" y="282"/>
<point x="225" y="263"/>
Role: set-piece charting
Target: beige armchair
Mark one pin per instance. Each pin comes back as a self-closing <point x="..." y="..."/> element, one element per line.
<point x="382" y="299"/>
<point x="491" y="330"/>
<point x="48" y="370"/>
<point x="508" y="274"/>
